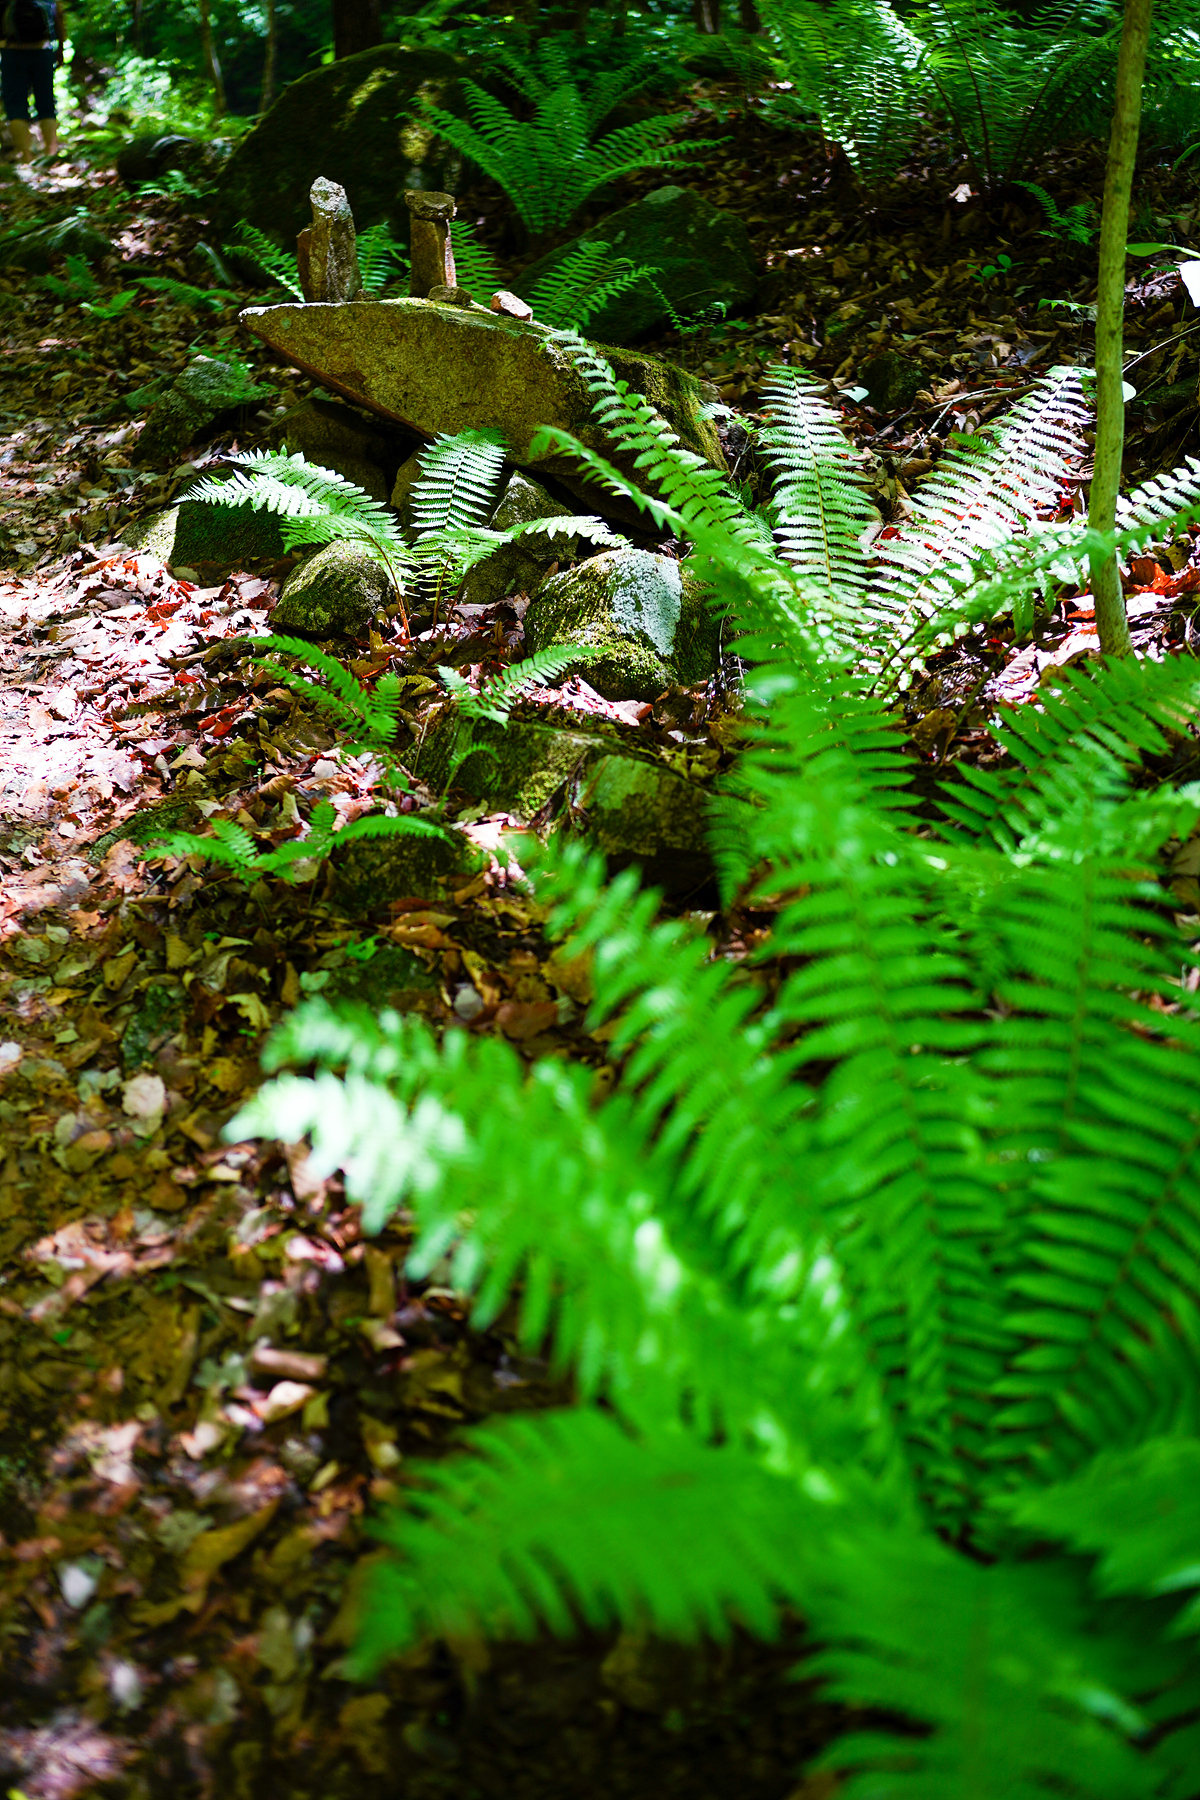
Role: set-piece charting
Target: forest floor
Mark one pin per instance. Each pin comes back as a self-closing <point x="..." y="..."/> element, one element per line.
<point x="207" y="1378"/>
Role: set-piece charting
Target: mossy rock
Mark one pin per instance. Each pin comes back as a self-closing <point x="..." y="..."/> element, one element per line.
<point x="193" y="534"/>
<point x="517" y="766"/>
<point x="374" y="870"/>
<point x="892" y="381"/>
<point x="636" y="809"/>
<point x="437" y="368"/>
<point x="643" y="616"/>
<point x="355" y="121"/>
<point x="336" y="592"/>
<point x="178" y="813"/>
<point x="206" y="391"/>
<point x="392" y="977"/>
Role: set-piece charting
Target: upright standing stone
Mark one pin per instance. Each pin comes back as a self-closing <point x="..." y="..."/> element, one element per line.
<point x="326" y="252"/>
<point x="430" y="247"/>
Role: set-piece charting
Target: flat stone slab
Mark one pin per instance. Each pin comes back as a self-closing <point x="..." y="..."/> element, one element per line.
<point x="438" y="368"/>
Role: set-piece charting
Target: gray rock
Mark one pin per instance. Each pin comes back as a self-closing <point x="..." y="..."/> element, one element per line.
<point x="518" y="568"/>
<point x="153" y="153"/>
<point x="36" y="247"/>
<point x="338" y="438"/>
<point x="702" y="254"/>
<point x="375" y="870"/>
<point x="407" y="475"/>
<point x="355" y="121"/>
<point x="193" y="534"/>
<point x="438" y="368"/>
<point x="335" y="593"/>
<point x="892" y="381"/>
<point x="329" y="255"/>
<point x="192" y="404"/>
<point x="645" y="613"/>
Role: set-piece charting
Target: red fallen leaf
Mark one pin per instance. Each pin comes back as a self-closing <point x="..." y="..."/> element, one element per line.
<point x="221" y="729"/>
<point x="889" y="531"/>
<point x="183" y="678"/>
<point x="520" y="1019"/>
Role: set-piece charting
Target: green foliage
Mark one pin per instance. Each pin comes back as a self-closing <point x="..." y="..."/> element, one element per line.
<point x="882" y="1297"/>
<point x="254" y="246"/>
<point x="475" y="267"/>
<point x="1008" y="88"/>
<point x="548" y="165"/>
<point x="366" y="720"/>
<point x="381" y="259"/>
<point x="498" y="695"/>
<point x="184" y="294"/>
<point x="854" y="63"/>
<point x="584" y="282"/>
<point x="173" y="185"/>
<point x="77" y="284"/>
<point x="1075" y="226"/>
<point x="314" y="505"/>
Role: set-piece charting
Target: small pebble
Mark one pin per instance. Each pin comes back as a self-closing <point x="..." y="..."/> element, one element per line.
<point x="468" y="1003"/>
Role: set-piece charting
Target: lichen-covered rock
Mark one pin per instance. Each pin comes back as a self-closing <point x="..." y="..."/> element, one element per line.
<point x="517" y="766"/>
<point x="702" y="256"/>
<point x="335" y="593"/>
<point x="356" y="121"/>
<point x="339" y="438"/>
<point x="193" y="403"/>
<point x="645" y="615"/>
<point x="518" y="568"/>
<point x="193" y="534"/>
<point x="372" y="871"/>
<point x="153" y="153"/>
<point x="437" y="368"/>
<point x="639" y="809"/>
<point x="892" y="381"/>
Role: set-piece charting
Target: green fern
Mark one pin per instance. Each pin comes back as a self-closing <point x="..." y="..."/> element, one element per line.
<point x="584" y="282"/>
<point x="381" y="259"/>
<point x="314" y="505"/>
<point x="254" y="246"/>
<point x="857" y="65"/>
<point x="475" y="267"/>
<point x="819" y="495"/>
<point x="881" y="1294"/>
<point x="184" y="294"/>
<point x="548" y="165"/>
<point x="1077" y="225"/>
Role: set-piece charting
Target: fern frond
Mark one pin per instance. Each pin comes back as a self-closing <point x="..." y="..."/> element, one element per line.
<point x="858" y="66"/>
<point x="666" y="1535"/>
<point x="458" y="481"/>
<point x="279" y="264"/>
<point x="819" y="498"/>
<point x="982" y="493"/>
<point x="583" y="283"/>
<point x="475" y="267"/>
<point x="230" y="844"/>
<point x="381" y="258"/>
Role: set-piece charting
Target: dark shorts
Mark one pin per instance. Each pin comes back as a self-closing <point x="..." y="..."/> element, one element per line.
<point x="23" y="72"/>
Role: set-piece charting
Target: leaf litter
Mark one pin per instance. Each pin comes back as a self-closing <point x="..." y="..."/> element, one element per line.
<point x="207" y="1378"/>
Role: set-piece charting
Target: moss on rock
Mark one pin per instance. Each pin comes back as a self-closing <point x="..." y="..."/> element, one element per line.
<point x="337" y="591"/>
<point x="644" y="615"/>
<point x="355" y="121"/>
<point x="193" y="534"/>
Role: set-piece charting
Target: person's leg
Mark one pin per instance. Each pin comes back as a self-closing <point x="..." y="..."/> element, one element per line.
<point x="42" y="81"/>
<point x="14" y="91"/>
<point x="22" y="138"/>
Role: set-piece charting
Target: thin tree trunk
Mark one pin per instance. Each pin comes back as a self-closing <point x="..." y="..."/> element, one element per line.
<point x="137" y="10"/>
<point x="269" y="62"/>
<point x="1112" y="627"/>
<point x="748" y="15"/>
<point x="356" y="26"/>
<point x="620" y="16"/>
<point x="212" y="61"/>
<point x="707" y="15"/>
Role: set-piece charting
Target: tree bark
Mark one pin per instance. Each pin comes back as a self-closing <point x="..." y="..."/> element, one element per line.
<point x="356" y="26"/>
<point x="707" y="15"/>
<point x="1112" y="626"/>
<point x="269" y="62"/>
<point x="211" y="60"/>
<point x="748" y="14"/>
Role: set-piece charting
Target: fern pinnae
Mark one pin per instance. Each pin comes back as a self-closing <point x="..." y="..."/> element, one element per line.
<point x="818" y="495"/>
